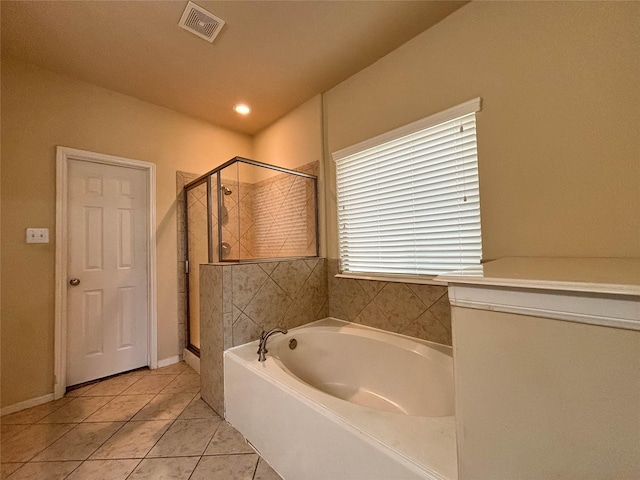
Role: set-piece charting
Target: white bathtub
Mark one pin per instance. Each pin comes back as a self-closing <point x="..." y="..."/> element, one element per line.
<point x="349" y="402"/>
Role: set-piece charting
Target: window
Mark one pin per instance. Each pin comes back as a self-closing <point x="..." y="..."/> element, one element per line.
<point x="408" y="200"/>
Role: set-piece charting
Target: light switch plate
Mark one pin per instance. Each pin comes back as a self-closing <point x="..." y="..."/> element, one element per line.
<point x="37" y="235"/>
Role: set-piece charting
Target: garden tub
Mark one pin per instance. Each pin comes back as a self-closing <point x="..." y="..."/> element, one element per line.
<point x="336" y="400"/>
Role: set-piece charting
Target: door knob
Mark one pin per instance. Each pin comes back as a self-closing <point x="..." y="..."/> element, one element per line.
<point x="74" y="282"/>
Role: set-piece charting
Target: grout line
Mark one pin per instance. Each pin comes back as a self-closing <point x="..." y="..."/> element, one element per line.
<point x="234" y="454"/>
<point x="212" y="436"/>
<point x="135" y="468"/>
<point x="103" y="443"/>
<point x="123" y="424"/>
<point x="255" y="469"/>
<point x="195" y="468"/>
<point x="168" y="428"/>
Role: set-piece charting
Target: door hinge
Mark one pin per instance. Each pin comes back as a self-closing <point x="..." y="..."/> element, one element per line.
<point x="186" y="266"/>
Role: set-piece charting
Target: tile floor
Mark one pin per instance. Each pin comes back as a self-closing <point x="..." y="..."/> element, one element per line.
<point x="139" y="425"/>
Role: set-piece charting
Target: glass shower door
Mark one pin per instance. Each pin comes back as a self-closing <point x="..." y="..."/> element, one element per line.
<point x="246" y="211"/>
<point x="197" y="253"/>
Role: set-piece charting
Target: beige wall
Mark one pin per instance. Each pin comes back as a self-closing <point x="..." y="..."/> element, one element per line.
<point x="296" y="140"/>
<point x="545" y="399"/>
<point x="559" y="143"/>
<point x="559" y="131"/>
<point x="41" y="110"/>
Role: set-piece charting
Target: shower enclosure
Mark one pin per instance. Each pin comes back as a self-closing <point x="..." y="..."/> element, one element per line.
<point x="245" y="210"/>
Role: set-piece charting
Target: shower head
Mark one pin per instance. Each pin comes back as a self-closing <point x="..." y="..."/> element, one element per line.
<point x="225" y="190"/>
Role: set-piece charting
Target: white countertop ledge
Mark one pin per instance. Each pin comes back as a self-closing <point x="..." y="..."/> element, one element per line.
<point x="613" y="276"/>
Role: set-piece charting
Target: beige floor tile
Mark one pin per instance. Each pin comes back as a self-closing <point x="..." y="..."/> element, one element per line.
<point x="76" y="392"/>
<point x="89" y="422"/>
<point x="104" y="470"/>
<point x="227" y="440"/>
<point x="189" y="370"/>
<point x="141" y="372"/>
<point x="165" y="468"/>
<point x="165" y="406"/>
<point x="26" y="444"/>
<point x="185" y="383"/>
<point x="121" y="409"/>
<point x="8" y="431"/>
<point x="7" y="469"/>
<point x="111" y="386"/>
<point x="32" y="415"/>
<point x="80" y="442"/>
<point x="134" y="440"/>
<point x="175" y="369"/>
<point x="149" y="384"/>
<point x="44" y="471"/>
<point x="77" y="410"/>
<point x="226" y="467"/>
<point x="186" y="438"/>
<point x="198" y="408"/>
<point x="265" y="472"/>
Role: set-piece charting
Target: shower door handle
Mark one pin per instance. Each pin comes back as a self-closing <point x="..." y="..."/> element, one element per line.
<point x="74" y="282"/>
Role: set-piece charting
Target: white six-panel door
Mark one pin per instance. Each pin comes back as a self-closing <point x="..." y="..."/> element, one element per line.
<point x="107" y="270"/>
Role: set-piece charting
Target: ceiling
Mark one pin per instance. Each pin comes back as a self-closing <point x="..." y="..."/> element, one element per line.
<point x="272" y="55"/>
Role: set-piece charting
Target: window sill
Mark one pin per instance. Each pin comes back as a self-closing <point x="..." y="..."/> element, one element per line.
<point x="422" y="280"/>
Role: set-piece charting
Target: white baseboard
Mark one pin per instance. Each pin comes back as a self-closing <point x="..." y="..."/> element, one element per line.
<point x="32" y="402"/>
<point x="169" y="361"/>
<point x="191" y="359"/>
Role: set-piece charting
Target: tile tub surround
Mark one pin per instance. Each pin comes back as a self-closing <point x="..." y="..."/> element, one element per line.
<point x="168" y="434"/>
<point x="240" y="300"/>
<point x="421" y="311"/>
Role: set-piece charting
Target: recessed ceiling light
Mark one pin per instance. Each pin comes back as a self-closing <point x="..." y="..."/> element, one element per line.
<point x="242" y="109"/>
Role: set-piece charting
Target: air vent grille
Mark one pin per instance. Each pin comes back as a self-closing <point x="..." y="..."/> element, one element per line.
<point x="198" y="21"/>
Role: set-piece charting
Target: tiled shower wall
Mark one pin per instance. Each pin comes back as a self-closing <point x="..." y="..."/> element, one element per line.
<point x="237" y="217"/>
<point x="241" y="300"/>
<point x="421" y="311"/>
<point x="284" y="215"/>
<point x="272" y="218"/>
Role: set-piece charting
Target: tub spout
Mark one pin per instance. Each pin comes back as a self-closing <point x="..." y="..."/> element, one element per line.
<point x="262" y="349"/>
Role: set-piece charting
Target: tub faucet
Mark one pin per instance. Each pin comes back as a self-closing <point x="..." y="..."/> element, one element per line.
<point x="262" y="349"/>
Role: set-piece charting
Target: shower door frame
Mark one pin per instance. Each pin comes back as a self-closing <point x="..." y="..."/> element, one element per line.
<point x="206" y="178"/>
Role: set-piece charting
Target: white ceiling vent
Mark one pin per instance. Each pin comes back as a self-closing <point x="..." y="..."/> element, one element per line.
<point x="198" y="21"/>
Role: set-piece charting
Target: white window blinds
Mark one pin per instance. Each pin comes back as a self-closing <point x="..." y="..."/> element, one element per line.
<point x="408" y="200"/>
